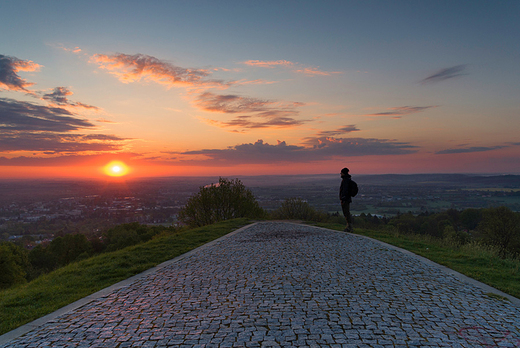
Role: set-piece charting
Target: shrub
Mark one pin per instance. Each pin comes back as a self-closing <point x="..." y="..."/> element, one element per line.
<point x="228" y="199"/>
<point x="296" y="208"/>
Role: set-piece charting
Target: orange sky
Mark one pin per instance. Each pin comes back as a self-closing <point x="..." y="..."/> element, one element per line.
<point x="186" y="89"/>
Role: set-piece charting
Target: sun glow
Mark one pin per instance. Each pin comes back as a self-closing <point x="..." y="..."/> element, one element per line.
<point x="116" y="168"/>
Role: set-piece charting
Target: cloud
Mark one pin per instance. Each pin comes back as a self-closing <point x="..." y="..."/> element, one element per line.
<point x="59" y="97"/>
<point x="298" y="68"/>
<point x="58" y="143"/>
<point x="245" y="122"/>
<point x="400" y="111"/>
<point x="262" y="113"/>
<point x="313" y="71"/>
<point x="9" y="78"/>
<point x="24" y="116"/>
<point x="445" y="74"/>
<point x="339" y="131"/>
<point x="66" y="160"/>
<point x="470" y="149"/>
<point x="269" y="64"/>
<point x="318" y="149"/>
<point x="137" y="67"/>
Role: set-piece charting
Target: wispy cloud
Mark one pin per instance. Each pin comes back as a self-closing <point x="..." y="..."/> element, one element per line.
<point x="9" y="78"/>
<point x="137" y="67"/>
<point x="339" y="131"/>
<point x="296" y="67"/>
<point x="269" y="64"/>
<point x="59" y="97"/>
<point x="314" y="71"/>
<point x="316" y="149"/>
<point x="470" y="149"/>
<point x="399" y="111"/>
<point x="262" y="113"/>
<point x="246" y="122"/>
<point x="445" y="74"/>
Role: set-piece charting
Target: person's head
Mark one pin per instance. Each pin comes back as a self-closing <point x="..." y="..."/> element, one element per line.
<point x="344" y="172"/>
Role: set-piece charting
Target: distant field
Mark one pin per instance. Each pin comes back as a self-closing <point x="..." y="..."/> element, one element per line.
<point x="493" y="189"/>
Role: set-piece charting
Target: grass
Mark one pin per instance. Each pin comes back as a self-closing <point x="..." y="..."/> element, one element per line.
<point x="44" y="295"/>
<point x="474" y="260"/>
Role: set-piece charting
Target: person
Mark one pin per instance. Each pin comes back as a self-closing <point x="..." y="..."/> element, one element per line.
<point x="345" y="197"/>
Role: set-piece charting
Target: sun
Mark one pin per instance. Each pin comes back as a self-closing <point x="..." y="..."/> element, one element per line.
<point x="116" y="168"/>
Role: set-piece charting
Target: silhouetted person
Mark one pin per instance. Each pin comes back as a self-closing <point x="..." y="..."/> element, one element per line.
<point x="347" y="190"/>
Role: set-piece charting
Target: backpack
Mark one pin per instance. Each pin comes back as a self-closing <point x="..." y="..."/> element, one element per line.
<point x="352" y="188"/>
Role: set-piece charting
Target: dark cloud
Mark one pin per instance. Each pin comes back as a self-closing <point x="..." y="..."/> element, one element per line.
<point x="58" y="143"/>
<point x="400" y="111"/>
<point x="446" y="74"/>
<point x="24" y="116"/>
<point x="9" y="68"/>
<point x="246" y="122"/>
<point x="262" y="113"/>
<point x="231" y="104"/>
<point x="339" y="131"/>
<point x="317" y="149"/>
<point x="65" y="160"/>
<point x="59" y="97"/>
<point x="470" y="149"/>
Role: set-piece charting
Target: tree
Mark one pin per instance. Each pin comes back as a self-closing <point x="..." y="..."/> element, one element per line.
<point x="66" y="249"/>
<point x="228" y="199"/>
<point x="13" y="264"/>
<point x="296" y="208"/>
<point x="501" y="227"/>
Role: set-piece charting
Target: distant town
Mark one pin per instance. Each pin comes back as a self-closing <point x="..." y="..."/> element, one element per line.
<point x="37" y="210"/>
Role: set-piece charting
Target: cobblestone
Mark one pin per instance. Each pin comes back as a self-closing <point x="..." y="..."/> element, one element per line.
<point x="278" y="284"/>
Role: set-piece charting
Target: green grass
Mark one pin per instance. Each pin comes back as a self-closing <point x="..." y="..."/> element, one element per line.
<point x="473" y="260"/>
<point x="44" y="295"/>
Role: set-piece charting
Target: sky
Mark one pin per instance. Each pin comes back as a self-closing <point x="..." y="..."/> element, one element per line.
<point x="253" y="88"/>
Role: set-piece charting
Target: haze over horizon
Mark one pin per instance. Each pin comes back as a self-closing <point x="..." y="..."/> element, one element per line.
<point x="209" y="88"/>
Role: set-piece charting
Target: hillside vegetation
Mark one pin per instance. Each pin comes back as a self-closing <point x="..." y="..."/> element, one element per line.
<point x="481" y="243"/>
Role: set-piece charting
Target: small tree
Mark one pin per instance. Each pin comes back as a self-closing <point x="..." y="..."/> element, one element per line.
<point x="501" y="227"/>
<point x="13" y="265"/>
<point x="296" y="208"/>
<point x="228" y="199"/>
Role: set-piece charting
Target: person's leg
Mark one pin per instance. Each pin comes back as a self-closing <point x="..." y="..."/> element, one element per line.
<point x="346" y="212"/>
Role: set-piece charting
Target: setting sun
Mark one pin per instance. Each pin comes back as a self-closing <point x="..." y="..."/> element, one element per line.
<point x="116" y="168"/>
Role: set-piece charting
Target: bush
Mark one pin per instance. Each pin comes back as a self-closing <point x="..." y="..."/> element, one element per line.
<point x="296" y="208"/>
<point x="229" y="199"/>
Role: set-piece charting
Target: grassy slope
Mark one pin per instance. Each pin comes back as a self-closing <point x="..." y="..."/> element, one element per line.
<point x="52" y="291"/>
<point x="477" y="263"/>
<point x="44" y="295"/>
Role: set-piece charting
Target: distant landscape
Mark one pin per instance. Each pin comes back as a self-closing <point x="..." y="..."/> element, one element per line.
<point x="43" y="207"/>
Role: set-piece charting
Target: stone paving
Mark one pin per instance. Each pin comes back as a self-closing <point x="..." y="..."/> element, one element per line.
<point x="278" y="284"/>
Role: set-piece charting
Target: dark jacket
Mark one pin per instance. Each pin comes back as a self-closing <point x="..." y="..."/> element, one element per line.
<point x="344" y="196"/>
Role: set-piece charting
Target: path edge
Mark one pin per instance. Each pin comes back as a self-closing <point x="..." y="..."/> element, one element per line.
<point x="445" y="269"/>
<point x="22" y="330"/>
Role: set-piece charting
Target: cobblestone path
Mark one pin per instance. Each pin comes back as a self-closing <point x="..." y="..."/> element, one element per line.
<point x="280" y="284"/>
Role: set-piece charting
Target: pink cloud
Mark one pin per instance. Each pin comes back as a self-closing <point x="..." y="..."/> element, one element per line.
<point x="269" y="64"/>
<point x="311" y="71"/>
<point x="134" y="68"/>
